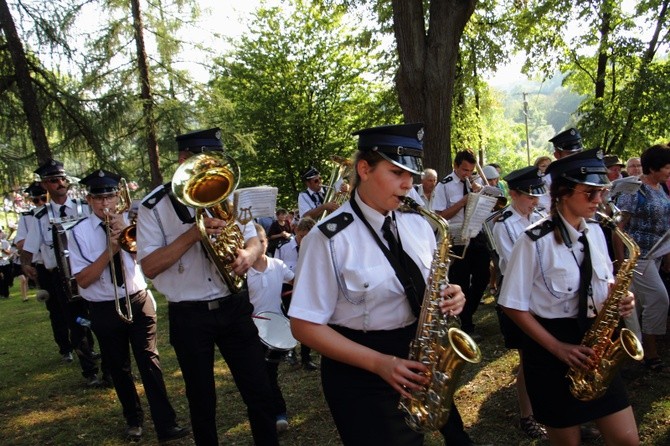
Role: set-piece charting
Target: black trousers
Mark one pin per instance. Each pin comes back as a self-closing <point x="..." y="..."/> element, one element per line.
<point x="69" y="335"/>
<point x="195" y="329"/>
<point x="116" y="337"/>
<point x="7" y="279"/>
<point x="472" y="274"/>
<point x="305" y="351"/>
<point x="272" y="360"/>
<point x="365" y="407"/>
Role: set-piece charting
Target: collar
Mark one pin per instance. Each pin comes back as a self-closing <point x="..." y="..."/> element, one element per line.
<point x="373" y="217"/>
<point x="574" y="233"/>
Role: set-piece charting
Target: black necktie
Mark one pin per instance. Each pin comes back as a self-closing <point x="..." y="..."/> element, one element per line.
<point x="585" y="274"/>
<point x="63" y="210"/>
<point x="390" y="237"/>
<point x="417" y="285"/>
<point x="118" y="271"/>
<point x="465" y="187"/>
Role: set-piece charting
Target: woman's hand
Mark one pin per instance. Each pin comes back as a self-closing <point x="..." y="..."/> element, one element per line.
<point x="453" y="300"/>
<point x="401" y="374"/>
<point x="575" y="356"/>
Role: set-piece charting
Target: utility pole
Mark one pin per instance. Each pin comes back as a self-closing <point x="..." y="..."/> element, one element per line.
<point x="525" y="117"/>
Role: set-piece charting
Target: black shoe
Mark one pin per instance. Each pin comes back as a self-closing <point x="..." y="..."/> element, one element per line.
<point x="309" y="366"/>
<point x="107" y="381"/>
<point x="95" y="355"/>
<point x="93" y="381"/>
<point x="173" y="433"/>
<point x="134" y="433"/>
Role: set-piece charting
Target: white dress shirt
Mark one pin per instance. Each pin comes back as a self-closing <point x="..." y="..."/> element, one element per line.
<point x="265" y="286"/>
<point x="193" y="277"/>
<point x="347" y="280"/>
<point x="87" y="240"/>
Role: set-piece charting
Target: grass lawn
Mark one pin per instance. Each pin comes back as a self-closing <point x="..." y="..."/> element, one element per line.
<point x="44" y="401"/>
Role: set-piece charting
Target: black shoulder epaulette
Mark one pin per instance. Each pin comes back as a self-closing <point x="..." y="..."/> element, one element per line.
<point x="447" y="179"/>
<point x="41" y="213"/>
<point x="77" y="224"/>
<point x="154" y="198"/>
<point x="505" y="215"/>
<point x="591" y="221"/>
<point x="283" y="242"/>
<point x="540" y="229"/>
<point x="336" y="224"/>
<point x="28" y="213"/>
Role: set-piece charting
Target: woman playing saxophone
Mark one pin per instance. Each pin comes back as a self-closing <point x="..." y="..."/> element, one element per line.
<point x="557" y="280"/>
<point x="349" y="302"/>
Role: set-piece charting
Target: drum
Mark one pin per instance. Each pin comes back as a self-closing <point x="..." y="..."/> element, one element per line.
<point x="275" y="331"/>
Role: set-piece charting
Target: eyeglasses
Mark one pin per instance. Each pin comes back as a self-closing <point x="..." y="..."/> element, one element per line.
<point x="54" y="180"/>
<point x="101" y="198"/>
<point x="41" y="199"/>
<point x="592" y="194"/>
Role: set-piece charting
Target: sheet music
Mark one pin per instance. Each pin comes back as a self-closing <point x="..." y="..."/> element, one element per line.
<point x="260" y="201"/>
<point x="628" y="185"/>
<point x="483" y="205"/>
<point x="660" y="248"/>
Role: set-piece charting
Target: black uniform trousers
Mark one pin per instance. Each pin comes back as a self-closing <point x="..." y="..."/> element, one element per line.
<point x="115" y="337"/>
<point x="69" y="335"/>
<point x="195" y="328"/>
<point x="272" y="360"/>
<point x="472" y="274"/>
<point x="7" y="279"/>
<point x="365" y="407"/>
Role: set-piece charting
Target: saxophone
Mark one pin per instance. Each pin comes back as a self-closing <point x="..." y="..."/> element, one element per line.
<point x="438" y="344"/>
<point x="587" y="385"/>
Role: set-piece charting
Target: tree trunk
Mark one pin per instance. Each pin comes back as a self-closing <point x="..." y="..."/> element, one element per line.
<point x="634" y="108"/>
<point x="425" y="78"/>
<point x="146" y="96"/>
<point x="24" y="82"/>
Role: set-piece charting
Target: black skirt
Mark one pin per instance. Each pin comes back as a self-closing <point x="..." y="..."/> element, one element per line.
<point x="548" y="386"/>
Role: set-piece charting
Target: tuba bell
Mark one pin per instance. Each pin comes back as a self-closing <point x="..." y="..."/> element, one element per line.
<point x="205" y="182"/>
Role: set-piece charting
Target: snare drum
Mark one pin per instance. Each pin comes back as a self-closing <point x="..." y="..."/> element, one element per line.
<point x="275" y="331"/>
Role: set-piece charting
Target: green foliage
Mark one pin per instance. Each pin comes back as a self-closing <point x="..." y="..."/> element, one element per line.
<point x="297" y="84"/>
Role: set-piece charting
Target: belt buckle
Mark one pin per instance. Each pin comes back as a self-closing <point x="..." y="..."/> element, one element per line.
<point x="213" y="304"/>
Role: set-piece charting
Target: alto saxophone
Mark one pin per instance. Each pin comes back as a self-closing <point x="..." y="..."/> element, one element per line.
<point x="587" y="385"/>
<point x="438" y="344"/>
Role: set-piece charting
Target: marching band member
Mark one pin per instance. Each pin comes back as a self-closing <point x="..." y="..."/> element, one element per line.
<point x="310" y="201"/>
<point x="349" y="304"/>
<point x="566" y="143"/>
<point x="265" y="279"/>
<point x="556" y="280"/>
<point x="39" y="239"/>
<point x="38" y="196"/>
<point x="525" y="187"/>
<point x="91" y="265"/>
<point x="472" y="271"/>
<point x="203" y="312"/>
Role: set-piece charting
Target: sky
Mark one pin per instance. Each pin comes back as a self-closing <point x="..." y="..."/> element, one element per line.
<point x="228" y="18"/>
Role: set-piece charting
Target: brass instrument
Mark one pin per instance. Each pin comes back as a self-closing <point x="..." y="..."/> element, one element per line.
<point x="341" y="170"/>
<point x="128" y="236"/>
<point x="439" y="344"/>
<point x="587" y="385"/>
<point x="121" y="206"/>
<point x="205" y="182"/>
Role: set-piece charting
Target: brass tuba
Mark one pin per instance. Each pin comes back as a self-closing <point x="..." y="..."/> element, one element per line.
<point x="205" y="182"/>
<point x="587" y="385"/>
<point x="439" y="344"/>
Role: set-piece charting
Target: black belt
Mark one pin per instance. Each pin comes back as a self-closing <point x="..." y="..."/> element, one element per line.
<point x="208" y="305"/>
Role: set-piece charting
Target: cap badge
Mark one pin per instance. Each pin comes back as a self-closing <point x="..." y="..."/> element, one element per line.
<point x="419" y="134"/>
<point x="217" y="135"/>
<point x="101" y="173"/>
<point x="599" y="154"/>
<point x="53" y="163"/>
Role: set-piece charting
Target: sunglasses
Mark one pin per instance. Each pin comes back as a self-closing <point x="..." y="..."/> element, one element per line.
<point x="41" y="199"/>
<point x="54" y="180"/>
<point x="592" y="194"/>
